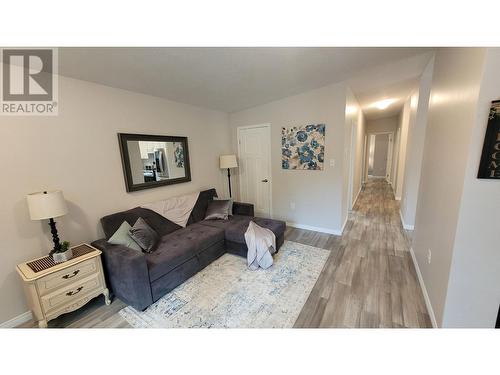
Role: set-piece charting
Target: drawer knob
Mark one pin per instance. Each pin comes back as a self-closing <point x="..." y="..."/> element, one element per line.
<point x="73" y="292"/>
<point x="68" y="276"/>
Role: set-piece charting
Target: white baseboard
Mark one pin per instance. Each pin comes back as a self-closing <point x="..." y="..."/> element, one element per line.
<point x="17" y="320"/>
<point x="315" y="229"/>
<point x="428" y="304"/>
<point x="406" y="226"/>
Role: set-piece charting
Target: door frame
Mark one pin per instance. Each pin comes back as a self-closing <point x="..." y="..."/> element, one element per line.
<point x="388" y="168"/>
<point x="364" y="169"/>
<point x="238" y="137"/>
<point x="352" y="157"/>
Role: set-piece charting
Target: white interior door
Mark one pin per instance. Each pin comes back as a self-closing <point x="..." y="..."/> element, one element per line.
<point x="254" y="152"/>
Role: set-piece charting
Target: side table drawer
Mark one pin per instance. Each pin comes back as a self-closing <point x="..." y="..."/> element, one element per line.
<point x="67" y="276"/>
<point x="71" y="293"/>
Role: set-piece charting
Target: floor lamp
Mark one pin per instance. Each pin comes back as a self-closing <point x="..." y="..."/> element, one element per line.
<point x="228" y="162"/>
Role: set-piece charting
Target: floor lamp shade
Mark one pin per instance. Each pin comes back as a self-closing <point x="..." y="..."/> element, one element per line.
<point x="228" y="161"/>
<point x="46" y="205"/>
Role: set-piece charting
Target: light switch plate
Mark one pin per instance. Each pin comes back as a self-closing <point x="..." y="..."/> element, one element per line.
<point x="332" y="162"/>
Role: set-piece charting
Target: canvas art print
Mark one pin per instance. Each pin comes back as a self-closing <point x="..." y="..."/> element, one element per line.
<point x="303" y="147"/>
<point x="179" y="155"/>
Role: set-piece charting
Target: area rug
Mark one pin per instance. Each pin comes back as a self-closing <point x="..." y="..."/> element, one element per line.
<point x="226" y="294"/>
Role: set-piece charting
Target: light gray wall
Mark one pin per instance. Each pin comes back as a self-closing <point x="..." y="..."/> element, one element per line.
<point x="318" y="195"/>
<point x="451" y="119"/>
<point x="395" y="158"/>
<point x="415" y="146"/>
<point x="355" y="116"/>
<point x="404" y="122"/>
<point x="388" y="124"/>
<point x="380" y="155"/>
<point x="77" y="152"/>
<point x="474" y="287"/>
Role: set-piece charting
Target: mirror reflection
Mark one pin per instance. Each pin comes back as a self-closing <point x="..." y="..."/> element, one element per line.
<point x="156" y="161"/>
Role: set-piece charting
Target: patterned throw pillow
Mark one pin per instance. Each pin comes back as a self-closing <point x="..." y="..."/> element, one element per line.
<point x="144" y="235"/>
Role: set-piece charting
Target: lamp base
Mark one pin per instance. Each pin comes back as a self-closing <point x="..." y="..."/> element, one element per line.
<point x="229" y="179"/>
<point x="55" y="237"/>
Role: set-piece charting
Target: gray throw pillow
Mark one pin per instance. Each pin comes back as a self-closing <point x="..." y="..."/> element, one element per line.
<point x="122" y="237"/>
<point x="144" y="235"/>
<point x="230" y="210"/>
<point x="218" y="210"/>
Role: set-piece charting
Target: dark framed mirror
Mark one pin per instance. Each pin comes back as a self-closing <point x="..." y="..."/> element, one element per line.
<point x="150" y="161"/>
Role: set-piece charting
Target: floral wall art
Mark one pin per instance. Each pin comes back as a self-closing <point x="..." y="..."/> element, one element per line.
<point x="303" y="147"/>
<point x="179" y="155"/>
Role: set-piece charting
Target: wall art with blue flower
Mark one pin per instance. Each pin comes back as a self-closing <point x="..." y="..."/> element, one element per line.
<point x="179" y="155"/>
<point x="303" y="147"/>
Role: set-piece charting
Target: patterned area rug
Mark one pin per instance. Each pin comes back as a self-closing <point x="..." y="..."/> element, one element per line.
<point x="226" y="294"/>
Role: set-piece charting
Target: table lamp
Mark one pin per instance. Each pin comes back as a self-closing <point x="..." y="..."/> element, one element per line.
<point x="48" y="205"/>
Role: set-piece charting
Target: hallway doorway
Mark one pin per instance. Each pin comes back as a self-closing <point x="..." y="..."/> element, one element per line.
<point x="379" y="150"/>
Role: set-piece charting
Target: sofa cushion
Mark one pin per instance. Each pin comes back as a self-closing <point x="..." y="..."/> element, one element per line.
<point x="277" y="226"/>
<point x="178" y="247"/>
<point x="200" y="207"/>
<point x="236" y="226"/>
<point x="160" y="224"/>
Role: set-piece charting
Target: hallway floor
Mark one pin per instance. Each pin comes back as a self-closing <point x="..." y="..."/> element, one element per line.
<point x="369" y="279"/>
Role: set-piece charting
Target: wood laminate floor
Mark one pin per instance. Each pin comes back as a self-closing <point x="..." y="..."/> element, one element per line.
<point x="368" y="281"/>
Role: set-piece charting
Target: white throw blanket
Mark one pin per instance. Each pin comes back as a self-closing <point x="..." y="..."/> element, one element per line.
<point x="176" y="209"/>
<point x="261" y="243"/>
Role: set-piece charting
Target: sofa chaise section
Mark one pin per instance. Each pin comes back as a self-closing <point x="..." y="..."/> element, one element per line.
<point x="139" y="279"/>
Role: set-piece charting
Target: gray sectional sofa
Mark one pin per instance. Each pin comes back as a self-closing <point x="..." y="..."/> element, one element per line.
<point x="139" y="279"/>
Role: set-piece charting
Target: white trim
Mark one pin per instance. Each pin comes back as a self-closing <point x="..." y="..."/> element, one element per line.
<point x="406" y="226"/>
<point x="356" y="199"/>
<point x="352" y="157"/>
<point x="268" y="126"/>
<point x="17" y="320"/>
<point x="343" y="226"/>
<point x="428" y="304"/>
<point x="335" y="232"/>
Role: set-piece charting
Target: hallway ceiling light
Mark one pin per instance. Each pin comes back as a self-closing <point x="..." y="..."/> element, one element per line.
<point x="383" y="104"/>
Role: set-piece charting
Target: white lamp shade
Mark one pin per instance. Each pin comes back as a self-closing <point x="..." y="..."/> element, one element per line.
<point x="46" y="205"/>
<point x="228" y="161"/>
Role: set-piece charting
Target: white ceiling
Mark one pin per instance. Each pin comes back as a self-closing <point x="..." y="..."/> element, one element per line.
<point x="232" y="79"/>
<point x="398" y="92"/>
<point x="395" y="81"/>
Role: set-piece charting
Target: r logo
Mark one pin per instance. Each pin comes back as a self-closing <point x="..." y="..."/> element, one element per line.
<point x="27" y="75"/>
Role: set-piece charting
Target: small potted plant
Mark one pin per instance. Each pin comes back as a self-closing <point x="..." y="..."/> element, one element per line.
<point x="63" y="254"/>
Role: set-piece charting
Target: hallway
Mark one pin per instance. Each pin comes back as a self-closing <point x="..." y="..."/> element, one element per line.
<point x="369" y="279"/>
